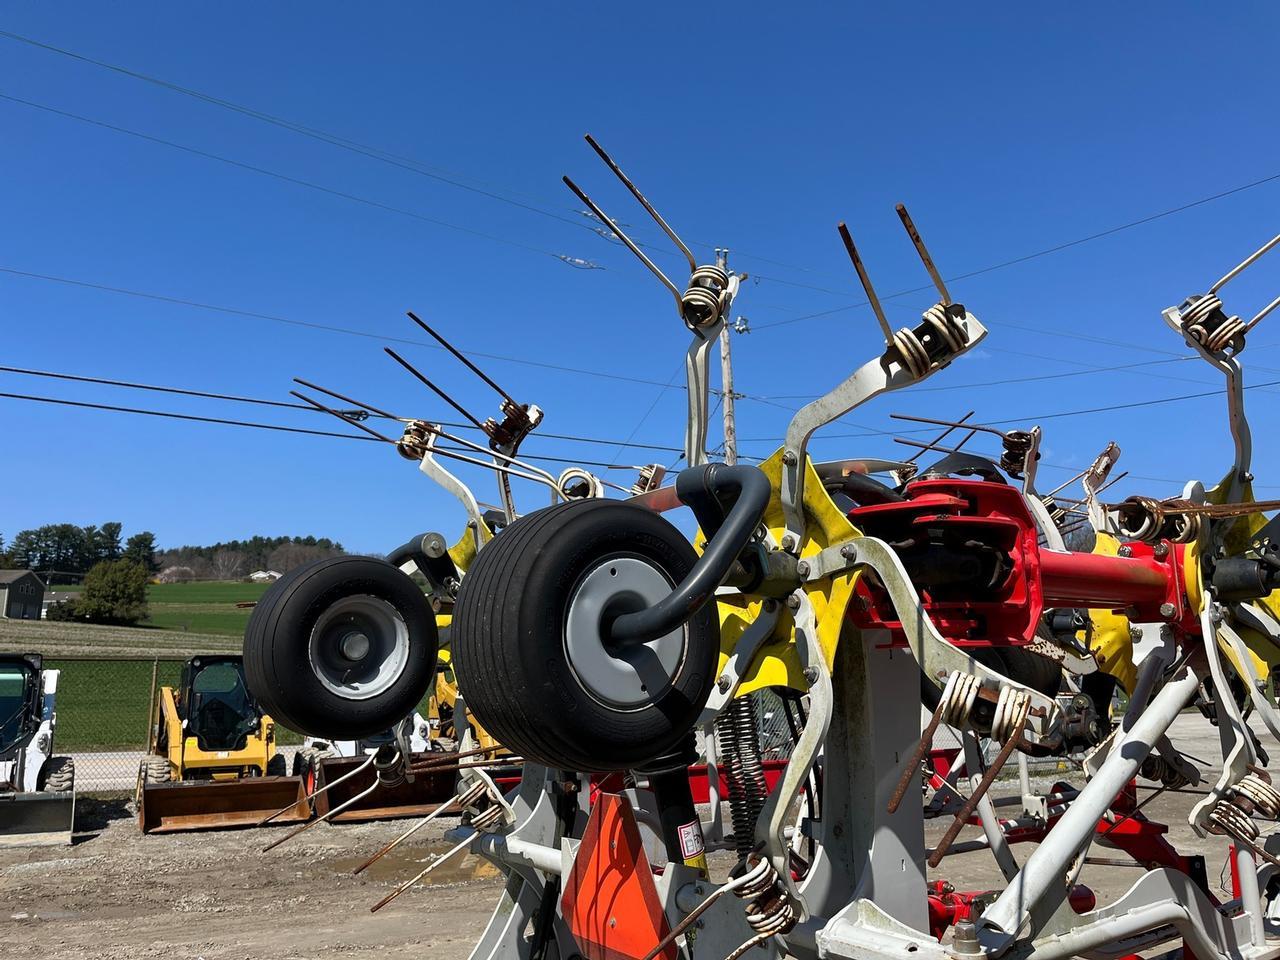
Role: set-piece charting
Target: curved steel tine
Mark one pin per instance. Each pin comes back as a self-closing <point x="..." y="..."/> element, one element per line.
<point x="332" y="813"/>
<point x="438" y="392"/>
<point x="355" y="403"/>
<point x="490" y="465"/>
<point x="943" y="435"/>
<point x="1265" y="310"/>
<point x="341" y="416"/>
<point x="653" y="267"/>
<point x="461" y="356"/>
<point x="946" y="423"/>
<point x="866" y="282"/>
<point x="666" y="228"/>
<point x="470" y="795"/>
<point x="1247" y="262"/>
<point x="311" y="796"/>
<point x="481" y="822"/>
<point x="497" y="455"/>
<point x="927" y="260"/>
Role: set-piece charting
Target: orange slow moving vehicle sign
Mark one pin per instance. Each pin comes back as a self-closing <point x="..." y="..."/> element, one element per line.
<point x="610" y="899"/>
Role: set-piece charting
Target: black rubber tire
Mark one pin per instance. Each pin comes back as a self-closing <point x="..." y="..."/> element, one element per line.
<point x="277" y="766"/>
<point x="155" y="770"/>
<point x="509" y="650"/>
<point x="58" y="775"/>
<point x="276" y="648"/>
<point x="1025" y="666"/>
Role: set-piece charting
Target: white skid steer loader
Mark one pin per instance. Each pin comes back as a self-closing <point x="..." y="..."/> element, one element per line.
<point x="37" y="789"/>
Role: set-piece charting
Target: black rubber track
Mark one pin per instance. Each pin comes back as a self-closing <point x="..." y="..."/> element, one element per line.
<point x="508" y="649"/>
<point x="277" y="663"/>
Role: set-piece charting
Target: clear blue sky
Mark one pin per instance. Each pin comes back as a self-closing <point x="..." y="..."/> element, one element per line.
<point x="1007" y="131"/>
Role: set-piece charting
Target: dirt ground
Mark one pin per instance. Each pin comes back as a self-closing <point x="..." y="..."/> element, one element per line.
<point x="116" y="894"/>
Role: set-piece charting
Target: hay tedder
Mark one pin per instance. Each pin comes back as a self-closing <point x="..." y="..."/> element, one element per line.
<point x="213" y="760"/>
<point x="37" y="789"/>
<point x="596" y="641"/>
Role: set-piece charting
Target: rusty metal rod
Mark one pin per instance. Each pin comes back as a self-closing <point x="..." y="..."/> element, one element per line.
<point x="307" y="799"/>
<point x="865" y="280"/>
<point x="463" y="357"/>
<point x="436" y="390"/>
<point x="468" y="796"/>
<point x="912" y="769"/>
<point x="966" y="811"/>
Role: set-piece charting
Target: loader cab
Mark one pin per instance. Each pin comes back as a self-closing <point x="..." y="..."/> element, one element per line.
<point x="20" y="701"/>
<point x="215" y="705"/>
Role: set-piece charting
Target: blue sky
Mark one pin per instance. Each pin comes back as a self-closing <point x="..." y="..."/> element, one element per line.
<point x="1006" y="129"/>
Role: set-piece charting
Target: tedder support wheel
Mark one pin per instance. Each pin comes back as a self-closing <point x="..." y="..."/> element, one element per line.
<point x="531" y="644"/>
<point x="342" y="648"/>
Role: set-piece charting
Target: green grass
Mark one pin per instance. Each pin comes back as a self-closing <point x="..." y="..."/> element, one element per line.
<point x="203" y="607"/>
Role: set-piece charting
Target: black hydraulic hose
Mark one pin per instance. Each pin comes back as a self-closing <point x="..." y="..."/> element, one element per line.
<point x="412" y="550"/>
<point x="865" y="491"/>
<point x="750" y="491"/>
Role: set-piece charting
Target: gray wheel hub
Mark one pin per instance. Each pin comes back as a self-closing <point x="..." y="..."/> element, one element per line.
<point x="359" y="647"/>
<point x="625" y="675"/>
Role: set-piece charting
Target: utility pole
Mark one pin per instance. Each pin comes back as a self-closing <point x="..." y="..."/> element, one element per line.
<point x="726" y="379"/>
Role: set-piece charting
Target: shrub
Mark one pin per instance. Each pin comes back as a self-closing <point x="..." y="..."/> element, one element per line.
<point x="115" y="591"/>
<point x="61" y="610"/>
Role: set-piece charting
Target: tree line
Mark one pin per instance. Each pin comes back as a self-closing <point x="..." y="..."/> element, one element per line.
<point x="65" y="552"/>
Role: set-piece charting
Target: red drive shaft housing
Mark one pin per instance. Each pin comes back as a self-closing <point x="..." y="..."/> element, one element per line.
<point x="973" y="552"/>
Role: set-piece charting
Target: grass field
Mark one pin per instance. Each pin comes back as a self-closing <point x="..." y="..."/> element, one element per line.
<point x="105" y="688"/>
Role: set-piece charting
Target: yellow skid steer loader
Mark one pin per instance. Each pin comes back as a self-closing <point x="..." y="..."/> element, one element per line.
<point x="212" y="760"/>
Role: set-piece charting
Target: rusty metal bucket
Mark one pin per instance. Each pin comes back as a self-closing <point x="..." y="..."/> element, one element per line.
<point x="422" y="796"/>
<point x="210" y="805"/>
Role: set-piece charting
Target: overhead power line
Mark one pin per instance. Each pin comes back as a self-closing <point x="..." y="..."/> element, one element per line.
<point x="236" y="398"/>
<point x="1057" y="248"/>
<point x="286" y="178"/>
<point x="279" y="428"/>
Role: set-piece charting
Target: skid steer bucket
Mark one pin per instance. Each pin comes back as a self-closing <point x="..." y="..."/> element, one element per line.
<point x="36" y="819"/>
<point x="210" y="805"/>
<point x="423" y="795"/>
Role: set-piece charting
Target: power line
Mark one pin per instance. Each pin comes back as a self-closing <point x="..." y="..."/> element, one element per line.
<point x="377" y="204"/>
<point x="1057" y="248"/>
<point x="224" y="421"/>
<point x="328" y="328"/>
<point x="375" y="153"/>
<point x="236" y="398"/>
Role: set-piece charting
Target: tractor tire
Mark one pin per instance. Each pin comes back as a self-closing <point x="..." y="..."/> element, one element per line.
<point x="154" y="770"/>
<point x="58" y="775"/>
<point x="532" y="652"/>
<point x="277" y="766"/>
<point x="342" y="648"/>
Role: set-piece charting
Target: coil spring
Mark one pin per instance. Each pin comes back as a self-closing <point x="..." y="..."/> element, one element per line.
<point x="1228" y="818"/>
<point x="578" y="484"/>
<point x="1013" y="459"/>
<point x="736" y="735"/>
<point x="704" y="302"/>
<point x="1150" y="520"/>
<point x="1012" y="710"/>
<point x="1197" y="317"/>
<point x="1157" y="768"/>
<point x="1260" y="793"/>
<point x="389" y="770"/>
<point x="413" y="445"/>
<point x="958" y="698"/>
<point x="770" y="910"/>
<point x="942" y="324"/>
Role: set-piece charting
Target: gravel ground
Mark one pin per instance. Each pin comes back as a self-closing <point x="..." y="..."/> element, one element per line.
<point x="116" y="895"/>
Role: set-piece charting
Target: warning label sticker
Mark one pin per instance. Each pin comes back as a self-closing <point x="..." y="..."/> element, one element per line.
<point x="691" y="842"/>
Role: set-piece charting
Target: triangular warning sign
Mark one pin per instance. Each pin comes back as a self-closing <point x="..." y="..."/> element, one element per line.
<point x="610" y="900"/>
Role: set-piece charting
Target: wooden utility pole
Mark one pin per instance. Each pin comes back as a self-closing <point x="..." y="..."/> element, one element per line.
<point x="726" y="382"/>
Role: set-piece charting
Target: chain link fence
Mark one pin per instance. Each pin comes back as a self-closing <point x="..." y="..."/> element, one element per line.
<point x="105" y="713"/>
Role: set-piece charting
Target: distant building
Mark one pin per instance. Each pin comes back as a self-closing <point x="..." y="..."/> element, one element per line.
<point x="21" y="595"/>
<point x="56" y="596"/>
<point x="265" y="576"/>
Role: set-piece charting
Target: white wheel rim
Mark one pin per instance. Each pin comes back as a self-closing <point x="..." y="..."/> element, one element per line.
<point x="359" y="647"/>
<point x="625" y="676"/>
